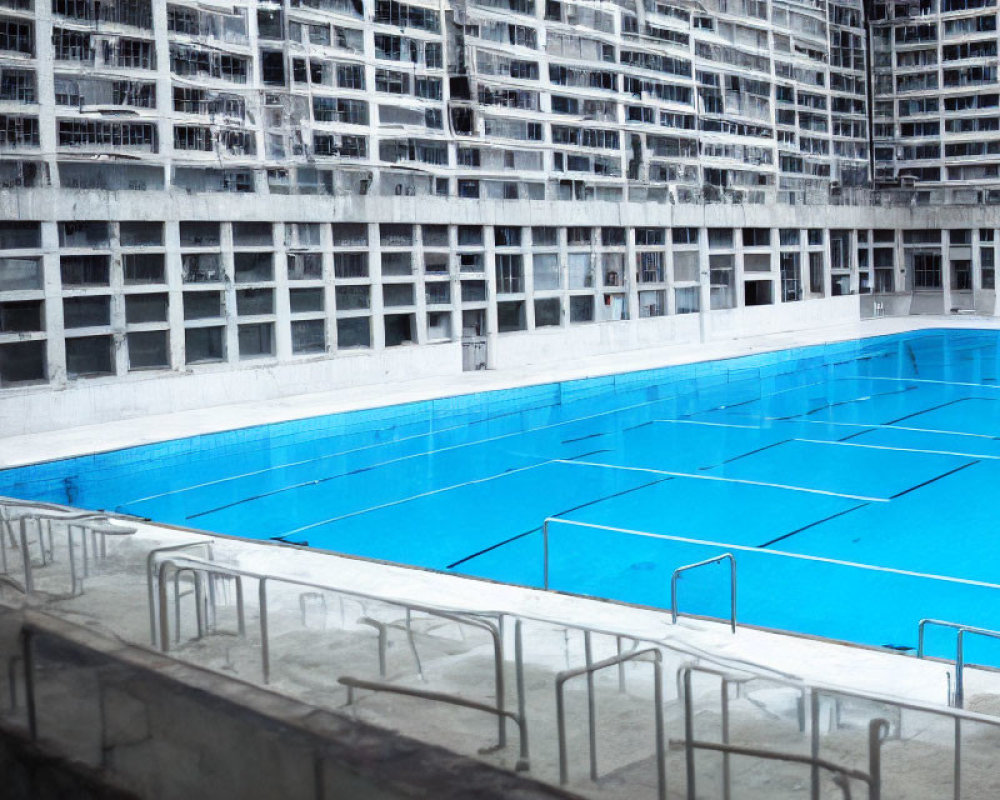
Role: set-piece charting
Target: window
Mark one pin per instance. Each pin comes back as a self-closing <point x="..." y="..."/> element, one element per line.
<point x="308" y="336"/>
<point x="89" y="356"/>
<point x="22" y="362"/>
<point x="354" y="332"/>
<point x="148" y="350"/>
<point x="256" y="341"/>
<point x="141" y="308"/>
<point x="204" y="345"/>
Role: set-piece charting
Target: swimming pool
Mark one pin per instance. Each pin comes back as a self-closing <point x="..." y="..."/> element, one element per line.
<point x="855" y="483"/>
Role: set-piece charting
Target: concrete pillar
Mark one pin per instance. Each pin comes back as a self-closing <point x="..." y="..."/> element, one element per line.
<point x="705" y="278"/>
<point x="175" y="293"/>
<point x="375" y="273"/>
<point x="282" y="304"/>
<point x="55" y="345"/>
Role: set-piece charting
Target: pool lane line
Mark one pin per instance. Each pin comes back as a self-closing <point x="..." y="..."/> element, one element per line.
<point x="814" y="524"/>
<point x="933" y="480"/>
<point x="842" y="443"/>
<point x="722" y="479"/>
<point x="933" y="382"/>
<point x="559" y="514"/>
<point x="402" y="500"/>
<point x="375" y="445"/>
<point x="932" y="408"/>
<point x="861" y="399"/>
<point x="871" y="426"/>
<point x="868" y="427"/>
<point x="798" y="556"/>
<point x="352" y="472"/>
<point x="583" y="438"/>
<point x="750" y="453"/>
<point x="498" y="437"/>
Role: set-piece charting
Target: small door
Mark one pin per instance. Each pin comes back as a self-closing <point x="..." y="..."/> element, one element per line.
<point x="473" y="354"/>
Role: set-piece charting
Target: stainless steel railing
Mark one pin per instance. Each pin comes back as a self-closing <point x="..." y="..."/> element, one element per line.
<point x="878" y="729"/>
<point x="674" y="613"/>
<point x="673" y="578"/>
<point x="958" y="700"/>
<point x="651" y="654"/>
<point x="98" y="524"/>
<point x="176" y="563"/>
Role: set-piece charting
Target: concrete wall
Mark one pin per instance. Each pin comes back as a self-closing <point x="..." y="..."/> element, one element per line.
<point x="134" y="721"/>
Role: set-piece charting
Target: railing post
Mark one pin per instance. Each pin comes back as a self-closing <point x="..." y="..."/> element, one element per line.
<point x="29" y="581"/>
<point x="726" y="776"/>
<point x="957" y="769"/>
<point x="689" y="736"/>
<point x="814" y="743"/>
<point x="545" y="556"/>
<point x="28" y="658"/>
<point x="561" y="732"/>
<point x="960" y="669"/>
<point x="591" y="705"/>
<point x="163" y="590"/>
<point x="878" y="729"/>
<point x="265" y="654"/>
<point x="522" y="711"/>
<point x="661" y="749"/>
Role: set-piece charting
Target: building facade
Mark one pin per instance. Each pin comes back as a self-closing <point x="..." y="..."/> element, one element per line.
<point x="187" y="187"/>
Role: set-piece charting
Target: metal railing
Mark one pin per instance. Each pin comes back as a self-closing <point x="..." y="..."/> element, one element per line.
<point x="877" y="731"/>
<point x="208" y="569"/>
<point x="651" y="654"/>
<point x="673" y="578"/>
<point x="98" y="524"/>
<point x="674" y="613"/>
<point x="958" y="700"/>
<point x="152" y="579"/>
<point x="523" y="762"/>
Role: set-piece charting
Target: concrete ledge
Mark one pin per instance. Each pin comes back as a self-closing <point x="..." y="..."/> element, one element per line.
<point x="169" y="729"/>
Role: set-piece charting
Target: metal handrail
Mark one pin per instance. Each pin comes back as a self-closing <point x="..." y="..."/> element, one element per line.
<point x="100" y="523"/>
<point x="523" y="761"/>
<point x="152" y="594"/>
<point x="877" y="730"/>
<point x="195" y="564"/>
<point x="732" y="585"/>
<point x="959" y="698"/>
<point x="656" y="658"/>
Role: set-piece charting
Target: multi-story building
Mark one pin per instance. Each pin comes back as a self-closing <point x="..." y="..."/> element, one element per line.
<point x="189" y="185"/>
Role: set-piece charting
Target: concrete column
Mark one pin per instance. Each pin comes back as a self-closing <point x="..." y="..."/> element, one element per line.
<point x="803" y="261"/>
<point x="631" y="284"/>
<point x="456" y="283"/>
<point x="419" y="292"/>
<point x="175" y="293"/>
<point x="229" y="277"/>
<point x="55" y="345"/>
<point x="670" y="300"/>
<point x="329" y="289"/>
<point x="946" y="270"/>
<point x="489" y="265"/>
<point x="739" y="272"/>
<point x="375" y="273"/>
<point x="117" y="281"/>
<point x="527" y="240"/>
<point x="282" y="303"/>
<point x="705" y="277"/>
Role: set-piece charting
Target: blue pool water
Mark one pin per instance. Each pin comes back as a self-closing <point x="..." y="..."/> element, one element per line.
<point x="804" y="463"/>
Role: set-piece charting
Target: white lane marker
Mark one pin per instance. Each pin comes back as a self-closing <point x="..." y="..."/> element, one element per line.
<point x="900" y="449"/>
<point x="721" y="479"/>
<point x="784" y="554"/>
<point x="416" y="497"/>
